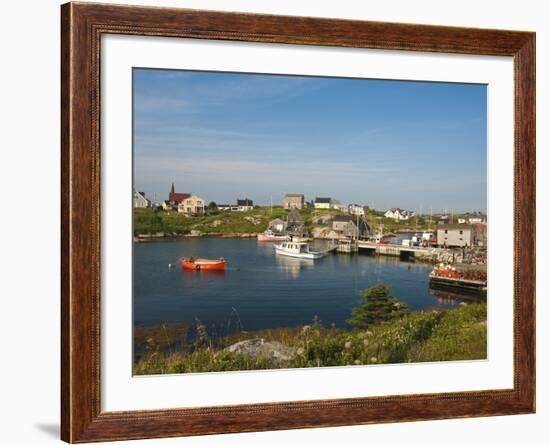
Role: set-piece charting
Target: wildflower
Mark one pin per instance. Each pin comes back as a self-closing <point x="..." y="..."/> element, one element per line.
<point x="306" y="329"/>
<point x="357" y="362"/>
<point x="300" y="351"/>
<point x="347" y="345"/>
<point x="373" y="360"/>
<point x="365" y="342"/>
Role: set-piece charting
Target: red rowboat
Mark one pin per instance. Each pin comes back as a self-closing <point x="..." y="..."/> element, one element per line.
<point x="202" y="264"/>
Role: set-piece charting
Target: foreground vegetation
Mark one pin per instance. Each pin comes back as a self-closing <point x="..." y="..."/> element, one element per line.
<point x="396" y="337"/>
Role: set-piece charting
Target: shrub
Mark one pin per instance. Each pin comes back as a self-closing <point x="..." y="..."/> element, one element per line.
<point x="377" y="305"/>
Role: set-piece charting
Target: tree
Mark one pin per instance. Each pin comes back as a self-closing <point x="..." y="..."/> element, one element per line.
<point x="212" y="206"/>
<point x="377" y="305"/>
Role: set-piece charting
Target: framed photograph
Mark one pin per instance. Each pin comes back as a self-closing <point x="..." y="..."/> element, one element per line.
<point x="274" y="222"/>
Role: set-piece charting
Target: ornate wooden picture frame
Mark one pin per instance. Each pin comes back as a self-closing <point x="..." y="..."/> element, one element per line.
<point x="82" y="26"/>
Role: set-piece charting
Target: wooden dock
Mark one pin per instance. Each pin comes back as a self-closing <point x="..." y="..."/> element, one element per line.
<point x="404" y="252"/>
<point x="470" y="287"/>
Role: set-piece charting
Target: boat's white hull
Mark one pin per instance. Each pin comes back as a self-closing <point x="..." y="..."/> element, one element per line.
<point x="303" y="255"/>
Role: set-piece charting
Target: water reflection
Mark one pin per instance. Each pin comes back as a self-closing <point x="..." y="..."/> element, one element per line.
<point x="194" y="277"/>
<point x="452" y="299"/>
<point x="293" y="266"/>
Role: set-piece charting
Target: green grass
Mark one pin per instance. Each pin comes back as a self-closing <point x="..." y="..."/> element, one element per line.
<point x="436" y="335"/>
<point x="150" y="221"/>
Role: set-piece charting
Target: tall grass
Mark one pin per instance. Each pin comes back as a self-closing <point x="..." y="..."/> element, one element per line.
<point x="436" y="335"/>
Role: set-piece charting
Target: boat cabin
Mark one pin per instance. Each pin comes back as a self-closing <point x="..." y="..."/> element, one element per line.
<point x="298" y="247"/>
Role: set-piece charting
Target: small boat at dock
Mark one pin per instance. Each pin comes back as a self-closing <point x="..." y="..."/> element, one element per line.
<point x="202" y="264"/>
<point x="298" y="250"/>
<point x="270" y="236"/>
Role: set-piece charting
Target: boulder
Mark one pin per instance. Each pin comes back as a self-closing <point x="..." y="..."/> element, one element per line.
<point x="258" y="347"/>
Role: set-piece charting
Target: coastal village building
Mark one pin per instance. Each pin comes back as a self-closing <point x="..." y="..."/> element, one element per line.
<point x="277" y="225"/>
<point x="167" y="206"/>
<point x="140" y="201"/>
<point x="356" y="209"/>
<point x="351" y="227"/>
<point x="336" y="205"/>
<point x="456" y="235"/>
<point x="174" y="199"/>
<point x="399" y="214"/>
<point x="193" y="205"/>
<point x="480" y="233"/>
<point x="226" y="207"/>
<point x="293" y="201"/>
<point x="244" y="205"/>
<point x="322" y="203"/>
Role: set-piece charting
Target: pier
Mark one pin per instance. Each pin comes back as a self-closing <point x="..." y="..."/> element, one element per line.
<point x="475" y="288"/>
<point x="403" y="252"/>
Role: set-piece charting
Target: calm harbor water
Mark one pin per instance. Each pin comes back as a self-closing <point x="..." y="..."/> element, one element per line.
<point x="260" y="290"/>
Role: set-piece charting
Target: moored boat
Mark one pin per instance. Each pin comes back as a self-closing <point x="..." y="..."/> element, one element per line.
<point x="202" y="264"/>
<point x="270" y="236"/>
<point x="298" y="250"/>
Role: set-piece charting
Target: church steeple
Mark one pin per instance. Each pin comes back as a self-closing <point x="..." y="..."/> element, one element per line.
<point x="172" y="191"/>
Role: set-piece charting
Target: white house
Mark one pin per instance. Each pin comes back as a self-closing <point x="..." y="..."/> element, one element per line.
<point x="244" y="205"/>
<point x="399" y="214"/>
<point x="456" y="235"/>
<point x="475" y="220"/>
<point x="322" y="203"/>
<point x="140" y="201"/>
<point x="277" y="225"/>
<point x="336" y="205"/>
<point x="356" y="209"/>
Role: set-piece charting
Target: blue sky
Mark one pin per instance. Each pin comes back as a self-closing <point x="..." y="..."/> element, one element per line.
<point x="380" y="143"/>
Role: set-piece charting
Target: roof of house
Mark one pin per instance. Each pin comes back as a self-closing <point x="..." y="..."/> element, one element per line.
<point x="453" y="226"/>
<point x="402" y="211"/>
<point x="178" y="197"/>
<point x="323" y="200"/>
<point x="294" y="195"/>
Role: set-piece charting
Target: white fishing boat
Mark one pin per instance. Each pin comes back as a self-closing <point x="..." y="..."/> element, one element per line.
<point x="298" y="250"/>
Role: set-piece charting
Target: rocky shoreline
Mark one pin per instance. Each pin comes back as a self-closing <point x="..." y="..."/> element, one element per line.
<point x="148" y="237"/>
